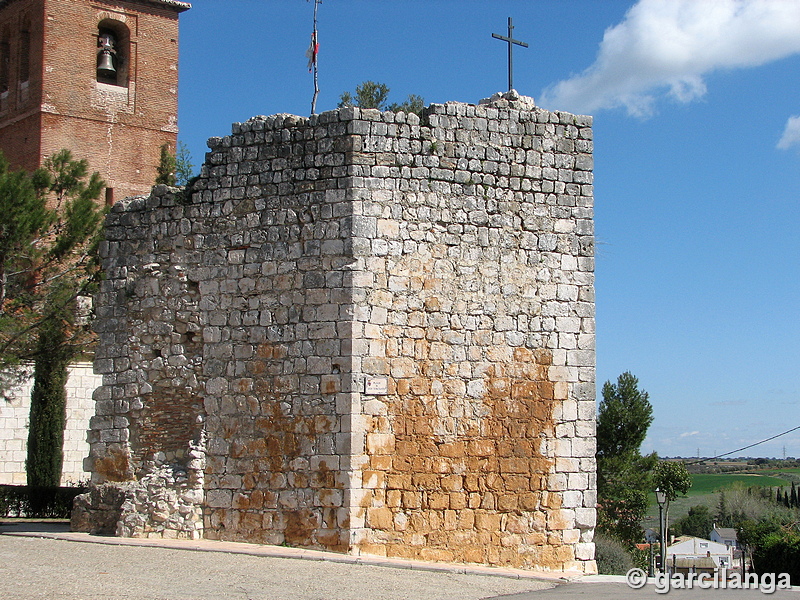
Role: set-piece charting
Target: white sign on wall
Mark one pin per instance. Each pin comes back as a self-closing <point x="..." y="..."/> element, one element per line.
<point x="376" y="386"/>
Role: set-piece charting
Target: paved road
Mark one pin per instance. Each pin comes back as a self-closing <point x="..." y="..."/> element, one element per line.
<point x="60" y="569"/>
<point x="616" y="591"/>
<point x="52" y="569"/>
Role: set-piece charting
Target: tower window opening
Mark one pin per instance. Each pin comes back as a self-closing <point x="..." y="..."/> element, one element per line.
<point x="25" y="56"/>
<point x="5" y="64"/>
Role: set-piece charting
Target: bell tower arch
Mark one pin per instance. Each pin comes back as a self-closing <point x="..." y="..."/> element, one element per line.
<point x="113" y="52"/>
<point x="99" y="77"/>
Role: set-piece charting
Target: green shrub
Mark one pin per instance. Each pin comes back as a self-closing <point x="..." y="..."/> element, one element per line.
<point x="611" y="555"/>
<point x="38" y="502"/>
<point x="778" y="552"/>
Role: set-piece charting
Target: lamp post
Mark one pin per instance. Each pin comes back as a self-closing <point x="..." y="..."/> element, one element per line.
<point x="661" y="498"/>
<point x="651" y="537"/>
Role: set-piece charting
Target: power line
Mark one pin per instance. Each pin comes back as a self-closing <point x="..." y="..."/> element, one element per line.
<point x="745" y="447"/>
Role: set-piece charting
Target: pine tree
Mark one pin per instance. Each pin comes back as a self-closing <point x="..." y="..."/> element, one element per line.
<point x="623" y="417"/>
<point x="375" y="95"/>
<point x="368" y="95"/>
<point x="623" y="474"/>
<point x="47" y="242"/>
<point x="184" y="169"/>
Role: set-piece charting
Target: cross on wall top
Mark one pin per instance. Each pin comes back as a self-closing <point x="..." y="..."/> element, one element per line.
<point x="511" y="41"/>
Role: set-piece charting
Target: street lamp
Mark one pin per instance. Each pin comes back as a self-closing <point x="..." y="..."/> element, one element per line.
<point x="661" y="498"/>
<point x="651" y="537"/>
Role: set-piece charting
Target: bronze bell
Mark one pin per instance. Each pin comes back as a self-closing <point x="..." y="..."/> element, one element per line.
<point x="105" y="65"/>
<point x="105" y="57"/>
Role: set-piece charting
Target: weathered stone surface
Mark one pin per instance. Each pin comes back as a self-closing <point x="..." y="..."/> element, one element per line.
<point x="445" y="261"/>
<point x="98" y="510"/>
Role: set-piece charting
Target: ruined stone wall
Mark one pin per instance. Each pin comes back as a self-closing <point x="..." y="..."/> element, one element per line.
<point x="376" y="332"/>
<point x="278" y="336"/>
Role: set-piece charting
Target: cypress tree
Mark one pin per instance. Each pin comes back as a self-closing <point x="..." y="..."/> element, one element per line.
<point x="167" y="166"/>
<point x="48" y="415"/>
<point x="722" y="509"/>
<point x="793" y="496"/>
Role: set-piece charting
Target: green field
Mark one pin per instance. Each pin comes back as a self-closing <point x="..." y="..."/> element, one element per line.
<point x="793" y="470"/>
<point x="705" y="488"/>
<point x="707" y="483"/>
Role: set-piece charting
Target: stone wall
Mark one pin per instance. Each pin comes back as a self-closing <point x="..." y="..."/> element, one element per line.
<point x="376" y="331"/>
<point x="14" y="416"/>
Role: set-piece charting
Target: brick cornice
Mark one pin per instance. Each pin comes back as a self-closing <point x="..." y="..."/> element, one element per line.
<point x="175" y="5"/>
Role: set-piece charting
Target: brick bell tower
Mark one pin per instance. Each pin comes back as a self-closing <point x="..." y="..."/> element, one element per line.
<point x="98" y="77"/>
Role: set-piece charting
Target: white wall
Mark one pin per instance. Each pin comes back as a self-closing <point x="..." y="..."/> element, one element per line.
<point x="14" y="427"/>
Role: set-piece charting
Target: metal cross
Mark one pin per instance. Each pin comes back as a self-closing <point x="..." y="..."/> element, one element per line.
<point x="511" y="41"/>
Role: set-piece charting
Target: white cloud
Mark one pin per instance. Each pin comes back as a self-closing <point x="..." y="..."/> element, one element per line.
<point x="665" y="47"/>
<point x="791" y="134"/>
<point x="689" y="434"/>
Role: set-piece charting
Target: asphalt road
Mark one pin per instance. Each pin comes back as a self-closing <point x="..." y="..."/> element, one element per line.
<point x="33" y="568"/>
<point x="47" y="569"/>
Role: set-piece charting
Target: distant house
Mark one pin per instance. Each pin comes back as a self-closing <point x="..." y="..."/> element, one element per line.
<point x="725" y="535"/>
<point x="691" y="554"/>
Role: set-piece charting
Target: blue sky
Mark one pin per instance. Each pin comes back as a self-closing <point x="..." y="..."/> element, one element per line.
<point x="697" y="157"/>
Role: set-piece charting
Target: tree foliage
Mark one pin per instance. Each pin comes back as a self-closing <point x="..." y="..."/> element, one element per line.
<point x="620" y="515"/>
<point x="184" y="169"/>
<point x="623" y="474"/>
<point x="47" y="256"/>
<point x="74" y="195"/>
<point x="47" y="253"/>
<point x="698" y="523"/>
<point x="48" y="406"/>
<point x="413" y="104"/>
<point x="25" y="216"/>
<point x="624" y="416"/>
<point x="175" y="168"/>
<point x="774" y="547"/>
<point x="370" y="94"/>
<point x="167" y="165"/>
<point x="672" y="478"/>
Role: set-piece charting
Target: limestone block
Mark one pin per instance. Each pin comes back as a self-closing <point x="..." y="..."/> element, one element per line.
<point x="584" y="551"/>
<point x="585" y="517"/>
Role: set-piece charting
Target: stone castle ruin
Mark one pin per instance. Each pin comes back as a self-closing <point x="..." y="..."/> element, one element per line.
<point x="363" y="332"/>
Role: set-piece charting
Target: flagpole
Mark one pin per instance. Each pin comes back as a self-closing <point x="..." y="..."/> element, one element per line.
<point x="314" y="46"/>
